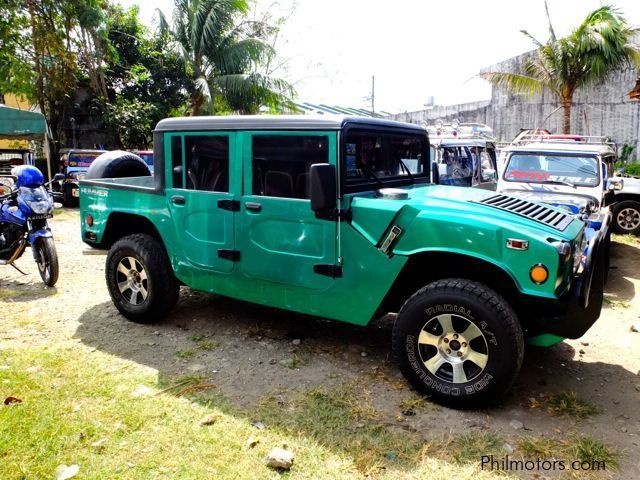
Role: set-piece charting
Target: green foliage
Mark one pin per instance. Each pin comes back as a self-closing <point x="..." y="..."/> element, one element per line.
<point x="632" y="169"/>
<point x="222" y="52"/>
<point x="16" y="71"/>
<point x="145" y="80"/>
<point x="599" y="46"/>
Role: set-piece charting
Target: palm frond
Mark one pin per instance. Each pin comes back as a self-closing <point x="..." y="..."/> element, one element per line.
<point x="513" y="81"/>
<point x="238" y="57"/>
<point x="532" y="38"/>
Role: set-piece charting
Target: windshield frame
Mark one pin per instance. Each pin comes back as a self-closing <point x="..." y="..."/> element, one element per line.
<point x="371" y="184"/>
<point x="596" y="157"/>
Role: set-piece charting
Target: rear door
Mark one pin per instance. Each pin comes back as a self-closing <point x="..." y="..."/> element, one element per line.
<point x="200" y="200"/>
<point x="279" y="238"/>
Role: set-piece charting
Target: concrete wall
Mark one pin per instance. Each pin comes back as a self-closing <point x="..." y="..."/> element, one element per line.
<point x="603" y="109"/>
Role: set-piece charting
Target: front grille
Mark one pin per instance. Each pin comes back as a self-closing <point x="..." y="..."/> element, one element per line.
<point x="535" y="211"/>
<point x="44" y="216"/>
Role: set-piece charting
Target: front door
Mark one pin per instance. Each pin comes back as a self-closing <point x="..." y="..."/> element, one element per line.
<point x="279" y="238"/>
<point x="200" y="200"/>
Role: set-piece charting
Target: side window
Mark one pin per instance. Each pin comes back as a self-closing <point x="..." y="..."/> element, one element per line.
<point x="206" y="163"/>
<point x="281" y="163"/>
<point x="176" y="162"/>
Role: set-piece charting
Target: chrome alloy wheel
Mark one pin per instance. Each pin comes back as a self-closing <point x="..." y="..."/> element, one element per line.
<point x="132" y="281"/>
<point x="628" y="219"/>
<point x="453" y="348"/>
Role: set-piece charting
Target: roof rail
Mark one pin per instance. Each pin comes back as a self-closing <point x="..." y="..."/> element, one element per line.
<point x="572" y="139"/>
<point x="461" y="130"/>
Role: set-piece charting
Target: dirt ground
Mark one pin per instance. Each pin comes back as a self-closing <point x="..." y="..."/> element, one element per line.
<point x="250" y="351"/>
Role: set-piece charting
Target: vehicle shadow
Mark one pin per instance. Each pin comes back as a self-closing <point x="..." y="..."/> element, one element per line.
<point x="250" y="352"/>
<point x="16" y="291"/>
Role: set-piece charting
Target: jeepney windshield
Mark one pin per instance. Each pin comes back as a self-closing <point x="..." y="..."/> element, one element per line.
<point x="552" y="168"/>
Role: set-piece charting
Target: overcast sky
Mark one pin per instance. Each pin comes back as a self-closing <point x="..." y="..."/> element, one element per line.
<point x="414" y="48"/>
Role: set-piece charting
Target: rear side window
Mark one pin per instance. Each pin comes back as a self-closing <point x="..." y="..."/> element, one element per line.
<point x="206" y="162"/>
<point x="281" y="163"/>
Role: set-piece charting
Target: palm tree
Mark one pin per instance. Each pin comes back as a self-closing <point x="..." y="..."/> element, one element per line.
<point x="599" y="46"/>
<point x="222" y="53"/>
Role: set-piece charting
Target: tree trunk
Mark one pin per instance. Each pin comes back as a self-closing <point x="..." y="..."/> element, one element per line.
<point x="566" y="114"/>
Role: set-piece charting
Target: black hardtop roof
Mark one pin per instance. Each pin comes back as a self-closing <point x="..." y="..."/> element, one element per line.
<point x="275" y="122"/>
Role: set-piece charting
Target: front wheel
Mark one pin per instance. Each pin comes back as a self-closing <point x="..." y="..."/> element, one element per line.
<point x="44" y="250"/>
<point x="140" y="278"/>
<point x="626" y="217"/>
<point x="459" y="342"/>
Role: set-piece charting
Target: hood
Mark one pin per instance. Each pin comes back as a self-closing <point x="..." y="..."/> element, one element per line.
<point x="459" y="206"/>
<point x="578" y="203"/>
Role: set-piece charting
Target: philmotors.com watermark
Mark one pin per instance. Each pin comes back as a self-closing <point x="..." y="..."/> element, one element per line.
<point x="507" y="464"/>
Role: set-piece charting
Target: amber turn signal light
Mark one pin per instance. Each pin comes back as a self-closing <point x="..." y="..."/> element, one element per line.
<point x="539" y="274"/>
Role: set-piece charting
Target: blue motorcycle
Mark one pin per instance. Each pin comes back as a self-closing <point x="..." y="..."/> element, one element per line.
<point x="23" y="221"/>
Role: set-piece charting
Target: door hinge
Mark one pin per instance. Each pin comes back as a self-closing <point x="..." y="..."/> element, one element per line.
<point x="333" y="271"/>
<point x="233" y="255"/>
<point x="231" y="205"/>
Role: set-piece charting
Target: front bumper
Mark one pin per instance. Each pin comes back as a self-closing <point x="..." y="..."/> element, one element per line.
<point x="571" y="315"/>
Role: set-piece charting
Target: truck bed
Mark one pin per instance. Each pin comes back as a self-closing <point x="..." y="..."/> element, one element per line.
<point x="126" y="183"/>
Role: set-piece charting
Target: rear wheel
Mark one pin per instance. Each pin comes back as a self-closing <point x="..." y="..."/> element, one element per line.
<point x="47" y="260"/>
<point x="626" y="217"/>
<point x="459" y="342"/>
<point x="140" y="278"/>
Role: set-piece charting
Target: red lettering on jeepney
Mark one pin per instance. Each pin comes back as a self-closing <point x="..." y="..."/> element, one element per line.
<point x="528" y="175"/>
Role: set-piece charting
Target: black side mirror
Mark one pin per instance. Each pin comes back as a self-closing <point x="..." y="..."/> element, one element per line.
<point x="322" y="187"/>
<point x="435" y="173"/>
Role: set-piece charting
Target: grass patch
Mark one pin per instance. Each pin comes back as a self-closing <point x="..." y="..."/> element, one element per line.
<point x="184" y="354"/>
<point x="78" y="408"/>
<point x="616" y="303"/>
<point x="345" y="418"/>
<point x="207" y="345"/>
<point x="538" y="447"/>
<point x="294" y="362"/>
<point x="589" y="449"/>
<point x="626" y="239"/>
<point x="415" y="403"/>
<point x="583" y="455"/>
<point x="470" y="447"/>
<point x="566" y="404"/>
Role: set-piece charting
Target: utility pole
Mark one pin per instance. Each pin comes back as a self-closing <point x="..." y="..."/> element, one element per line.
<point x="373" y="94"/>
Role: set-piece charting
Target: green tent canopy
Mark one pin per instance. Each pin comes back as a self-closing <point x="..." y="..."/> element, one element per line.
<point x="18" y="124"/>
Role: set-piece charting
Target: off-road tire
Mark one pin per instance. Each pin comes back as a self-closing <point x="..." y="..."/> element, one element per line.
<point x="626" y="205"/>
<point x="47" y="260"/>
<point x="161" y="285"/>
<point x="117" y="164"/>
<point x="467" y="302"/>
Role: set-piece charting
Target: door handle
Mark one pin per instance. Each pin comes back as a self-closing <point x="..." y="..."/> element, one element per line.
<point x="178" y="200"/>
<point x="253" y="206"/>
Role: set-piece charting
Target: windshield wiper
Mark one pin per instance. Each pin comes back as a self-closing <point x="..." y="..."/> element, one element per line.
<point x="369" y="170"/>
<point x="406" y="169"/>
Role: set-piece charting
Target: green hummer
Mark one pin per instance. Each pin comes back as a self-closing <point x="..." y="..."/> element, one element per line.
<point x="335" y="217"/>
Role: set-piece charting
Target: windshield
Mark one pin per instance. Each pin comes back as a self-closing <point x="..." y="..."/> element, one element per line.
<point x="378" y="157"/>
<point x="458" y="165"/>
<point x="552" y="168"/>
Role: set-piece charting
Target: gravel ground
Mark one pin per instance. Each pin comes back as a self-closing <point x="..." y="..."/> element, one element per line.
<point x="251" y="351"/>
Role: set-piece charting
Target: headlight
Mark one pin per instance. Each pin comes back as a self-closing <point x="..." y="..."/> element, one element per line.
<point x="41" y="207"/>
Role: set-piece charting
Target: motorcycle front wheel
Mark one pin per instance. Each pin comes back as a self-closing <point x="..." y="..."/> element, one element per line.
<point x="47" y="260"/>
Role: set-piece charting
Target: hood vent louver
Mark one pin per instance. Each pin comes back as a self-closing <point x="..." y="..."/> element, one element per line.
<point x="533" y="211"/>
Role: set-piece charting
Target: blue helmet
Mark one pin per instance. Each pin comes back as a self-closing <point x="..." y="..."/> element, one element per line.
<point x="28" y="176"/>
